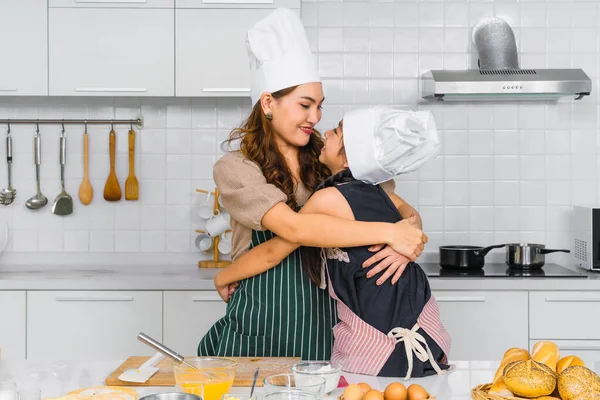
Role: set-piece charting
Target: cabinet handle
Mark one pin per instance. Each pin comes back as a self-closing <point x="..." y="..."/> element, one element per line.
<point x="94" y="298"/>
<point x="237" y="1"/>
<point x="110" y="1"/>
<point x="228" y="90"/>
<point x="8" y="89"/>
<point x="93" y="89"/>
<point x="206" y="297"/>
<point x="461" y="299"/>
<point x="572" y="300"/>
<point x="575" y="348"/>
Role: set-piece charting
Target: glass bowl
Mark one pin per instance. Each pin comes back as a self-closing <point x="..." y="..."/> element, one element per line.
<point x="211" y="380"/>
<point x="328" y="370"/>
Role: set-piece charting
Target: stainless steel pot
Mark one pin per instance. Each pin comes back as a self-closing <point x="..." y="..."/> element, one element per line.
<point x="528" y="255"/>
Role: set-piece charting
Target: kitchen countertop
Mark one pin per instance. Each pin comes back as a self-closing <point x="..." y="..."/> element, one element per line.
<point x="55" y="379"/>
<point x="190" y="277"/>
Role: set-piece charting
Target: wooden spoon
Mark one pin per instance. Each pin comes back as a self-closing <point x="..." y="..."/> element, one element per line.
<point x="131" y="184"/>
<point x="86" y="192"/>
<point x="112" y="190"/>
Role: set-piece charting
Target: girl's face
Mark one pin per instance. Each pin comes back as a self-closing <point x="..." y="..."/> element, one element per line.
<point x="296" y="114"/>
<point x="332" y="153"/>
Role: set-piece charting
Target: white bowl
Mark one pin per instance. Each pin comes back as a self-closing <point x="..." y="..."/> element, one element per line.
<point x="326" y="369"/>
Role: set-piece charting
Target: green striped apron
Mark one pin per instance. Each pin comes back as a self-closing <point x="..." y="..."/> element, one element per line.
<point x="279" y="313"/>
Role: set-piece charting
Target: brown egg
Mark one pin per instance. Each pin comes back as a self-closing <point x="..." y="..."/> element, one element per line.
<point x="365" y="387"/>
<point x="352" y="392"/>
<point x="416" y="392"/>
<point x="373" y="395"/>
<point x="395" y="391"/>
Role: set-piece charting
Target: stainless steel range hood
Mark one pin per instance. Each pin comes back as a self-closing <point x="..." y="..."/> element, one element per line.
<point x="499" y="76"/>
<point x="505" y="84"/>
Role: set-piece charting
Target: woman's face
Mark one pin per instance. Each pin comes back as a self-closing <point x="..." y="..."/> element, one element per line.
<point x="332" y="154"/>
<point x="295" y="115"/>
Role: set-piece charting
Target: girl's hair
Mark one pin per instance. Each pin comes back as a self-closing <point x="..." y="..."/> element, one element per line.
<point x="311" y="256"/>
<point x="258" y="144"/>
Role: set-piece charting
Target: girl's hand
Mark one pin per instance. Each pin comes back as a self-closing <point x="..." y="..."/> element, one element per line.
<point x="389" y="260"/>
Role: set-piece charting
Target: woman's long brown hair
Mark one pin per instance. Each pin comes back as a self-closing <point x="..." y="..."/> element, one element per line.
<point x="258" y="144"/>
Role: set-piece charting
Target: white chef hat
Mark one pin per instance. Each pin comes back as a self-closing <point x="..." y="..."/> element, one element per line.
<point x="383" y="142"/>
<point x="279" y="54"/>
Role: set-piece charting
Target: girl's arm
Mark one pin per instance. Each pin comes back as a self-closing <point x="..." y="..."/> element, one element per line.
<point x="406" y="210"/>
<point x="265" y="256"/>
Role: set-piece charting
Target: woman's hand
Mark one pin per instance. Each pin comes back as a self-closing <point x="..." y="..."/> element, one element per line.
<point x="390" y="261"/>
<point x="225" y="290"/>
<point x="408" y="240"/>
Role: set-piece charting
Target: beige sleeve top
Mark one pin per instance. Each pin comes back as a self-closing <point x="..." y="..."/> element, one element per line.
<point x="246" y="196"/>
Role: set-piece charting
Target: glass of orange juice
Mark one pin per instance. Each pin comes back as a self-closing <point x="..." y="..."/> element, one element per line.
<point x="212" y="378"/>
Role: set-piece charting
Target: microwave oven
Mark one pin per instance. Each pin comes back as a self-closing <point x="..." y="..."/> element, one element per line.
<point x="587" y="237"/>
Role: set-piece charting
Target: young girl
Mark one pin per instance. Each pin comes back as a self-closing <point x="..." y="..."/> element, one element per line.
<point x="375" y="145"/>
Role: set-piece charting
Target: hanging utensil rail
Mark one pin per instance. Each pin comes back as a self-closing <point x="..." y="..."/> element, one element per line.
<point x="139" y="122"/>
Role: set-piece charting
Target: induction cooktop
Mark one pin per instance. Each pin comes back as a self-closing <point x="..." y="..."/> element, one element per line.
<point x="501" y="271"/>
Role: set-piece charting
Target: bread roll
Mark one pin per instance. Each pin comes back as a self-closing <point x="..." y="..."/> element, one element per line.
<point x="511" y="355"/>
<point x="568" y="361"/>
<point x="529" y="378"/>
<point x="546" y="353"/>
<point x="579" y="383"/>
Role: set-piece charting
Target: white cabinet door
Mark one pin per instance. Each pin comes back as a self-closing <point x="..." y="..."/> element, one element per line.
<point x="91" y="325"/>
<point x="211" y="51"/>
<point x="188" y="316"/>
<point x="483" y="325"/>
<point x="564" y="315"/>
<point x="24" y="48"/>
<point x="587" y="350"/>
<point x="12" y="325"/>
<point x="111" y="52"/>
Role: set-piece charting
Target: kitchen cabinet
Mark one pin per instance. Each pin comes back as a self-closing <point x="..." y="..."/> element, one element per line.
<point x="23" y="46"/>
<point x="12" y="323"/>
<point x="111" y="52"/>
<point x="587" y="350"/>
<point x="292" y="4"/>
<point x="211" y="51"/>
<point x="80" y="325"/>
<point x="188" y="316"/>
<point x="483" y="325"/>
<point x="564" y="315"/>
<point x="113" y="3"/>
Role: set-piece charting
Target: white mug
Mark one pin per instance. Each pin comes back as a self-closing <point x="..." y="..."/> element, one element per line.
<point x="206" y="210"/>
<point x="224" y="244"/>
<point x="204" y="242"/>
<point x="218" y="224"/>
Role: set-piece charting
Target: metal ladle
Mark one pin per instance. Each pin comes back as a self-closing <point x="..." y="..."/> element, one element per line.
<point x="39" y="200"/>
<point x="7" y="196"/>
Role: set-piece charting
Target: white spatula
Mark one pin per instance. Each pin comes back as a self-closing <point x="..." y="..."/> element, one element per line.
<point x="144" y="372"/>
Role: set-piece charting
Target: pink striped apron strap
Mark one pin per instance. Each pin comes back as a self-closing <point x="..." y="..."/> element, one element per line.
<point x="429" y="320"/>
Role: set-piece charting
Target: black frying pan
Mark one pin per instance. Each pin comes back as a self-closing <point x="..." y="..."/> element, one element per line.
<point x="469" y="257"/>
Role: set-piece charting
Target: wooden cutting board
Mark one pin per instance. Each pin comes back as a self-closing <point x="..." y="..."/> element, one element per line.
<point x="243" y="375"/>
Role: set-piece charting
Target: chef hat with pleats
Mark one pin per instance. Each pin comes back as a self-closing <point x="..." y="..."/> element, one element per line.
<point x="279" y="54"/>
<point x="383" y="142"/>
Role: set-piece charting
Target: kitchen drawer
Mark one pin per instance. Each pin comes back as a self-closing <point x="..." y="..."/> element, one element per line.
<point x="90" y="325"/>
<point x="270" y="4"/>
<point x="587" y="350"/>
<point x="564" y="315"/>
<point x="24" y="48"/>
<point x="112" y="3"/>
<point x="482" y="325"/>
<point x="188" y="316"/>
<point x="111" y="52"/>
<point x="12" y="325"/>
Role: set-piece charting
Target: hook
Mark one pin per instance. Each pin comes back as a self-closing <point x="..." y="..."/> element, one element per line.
<point x="112" y="125"/>
<point x="37" y="127"/>
<point x="63" y="127"/>
<point x="85" y="124"/>
<point x="8" y="124"/>
<point x="130" y="125"/>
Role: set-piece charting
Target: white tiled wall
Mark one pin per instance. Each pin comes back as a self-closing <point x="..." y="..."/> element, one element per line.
<point x="507" y="171"/>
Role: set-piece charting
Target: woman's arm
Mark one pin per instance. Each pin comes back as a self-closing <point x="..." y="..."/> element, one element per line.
<point x="406" y="210"/>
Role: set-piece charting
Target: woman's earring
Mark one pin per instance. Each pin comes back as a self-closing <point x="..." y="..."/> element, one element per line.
<point x="269" y="116"/>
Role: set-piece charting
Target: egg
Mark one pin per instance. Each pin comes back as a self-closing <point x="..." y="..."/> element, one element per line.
<point x="365" y="387"/>
<point x="373" y="395"/>
<point x="416" y="392"/>
<point x="395" y="391"/>
<point x="352" y="392"/>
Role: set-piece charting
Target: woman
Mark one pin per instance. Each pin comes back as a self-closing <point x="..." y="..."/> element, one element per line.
<point x="374" y="318"/>
<point x="280" y="313"/>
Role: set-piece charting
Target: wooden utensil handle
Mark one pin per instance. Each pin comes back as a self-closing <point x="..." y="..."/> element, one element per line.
<point x="85" y="155"/>
<point x="112" y="143"/>
<point x="131" y="150"/>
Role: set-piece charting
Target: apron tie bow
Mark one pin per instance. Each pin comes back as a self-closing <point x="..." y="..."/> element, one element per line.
<point x="412" y="343"/>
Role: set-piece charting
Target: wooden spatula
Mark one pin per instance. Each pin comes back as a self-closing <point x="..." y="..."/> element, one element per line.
<point x="86" y="192"/>
<point x="131" y="184"/>
<point x="112" y="190"/>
